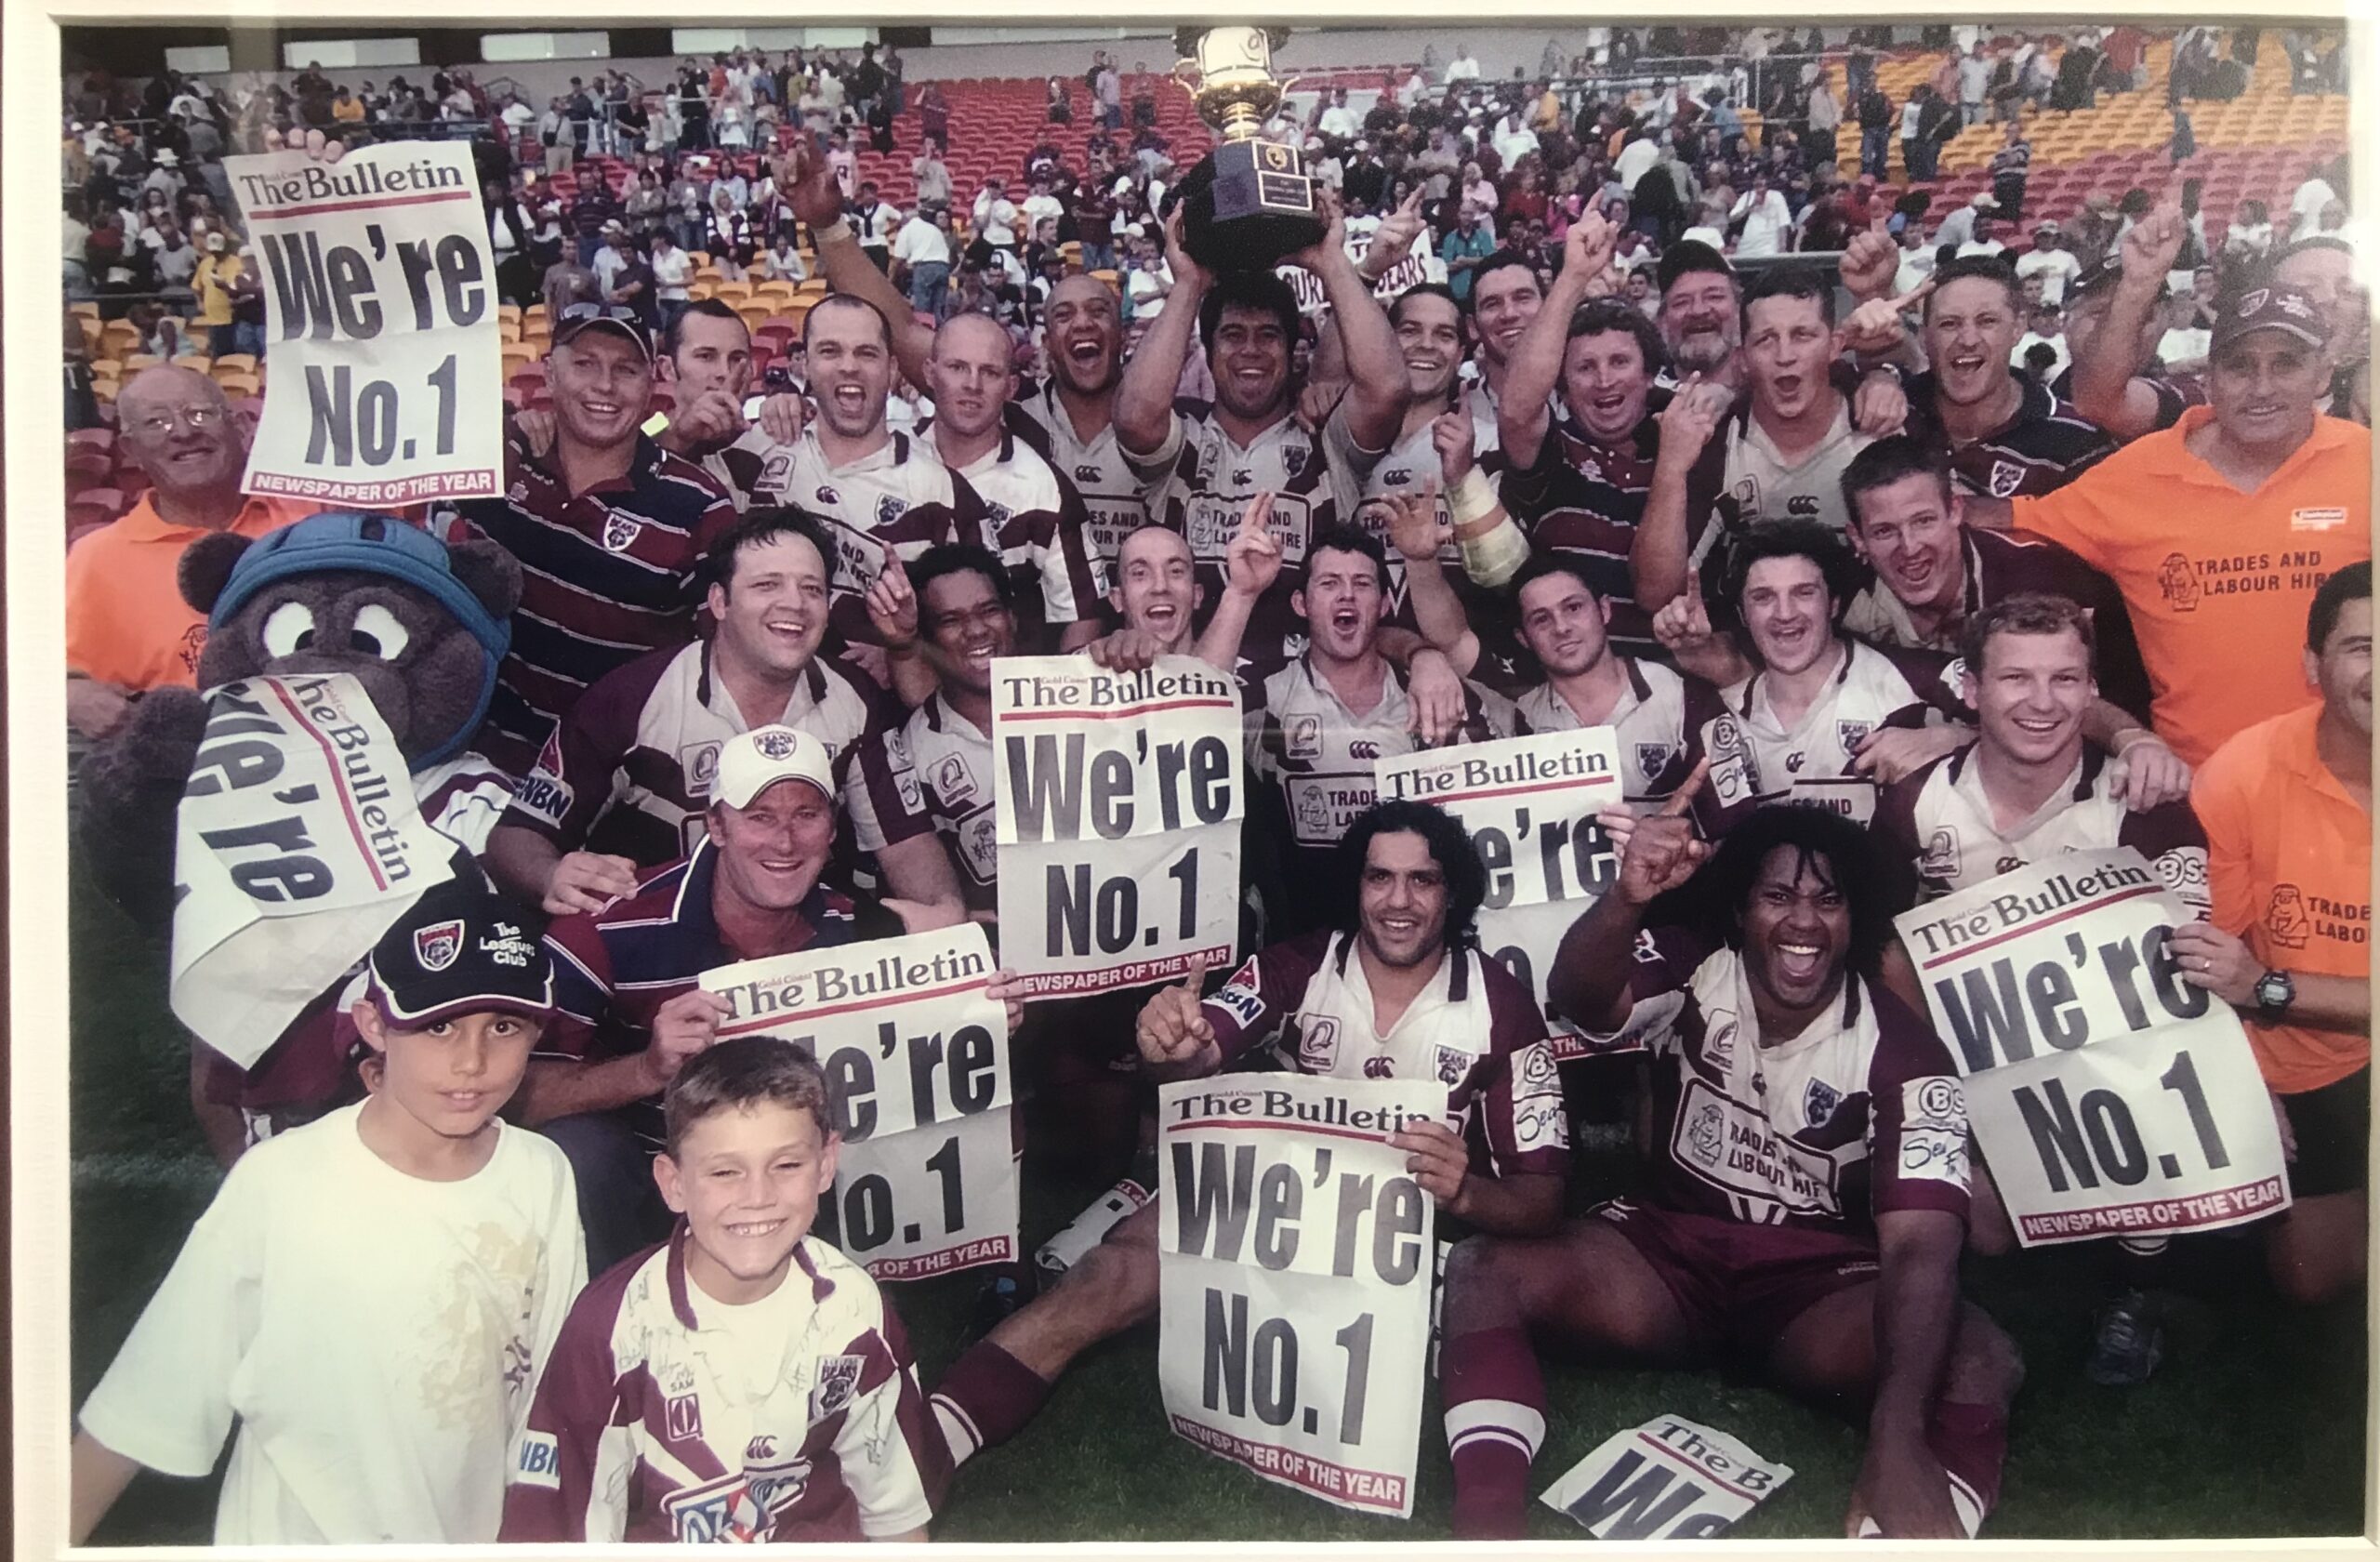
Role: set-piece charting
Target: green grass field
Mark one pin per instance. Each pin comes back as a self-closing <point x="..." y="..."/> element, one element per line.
<point x="2253" y="1426"/>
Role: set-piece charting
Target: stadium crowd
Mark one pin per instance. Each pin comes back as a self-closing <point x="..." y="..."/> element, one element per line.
<point x="1996" y="530"/>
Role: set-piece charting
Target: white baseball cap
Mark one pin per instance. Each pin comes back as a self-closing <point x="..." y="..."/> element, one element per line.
<point x="749" y="763"/>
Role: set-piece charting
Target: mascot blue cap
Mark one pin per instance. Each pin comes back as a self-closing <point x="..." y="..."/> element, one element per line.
<point x="373" y="545"/>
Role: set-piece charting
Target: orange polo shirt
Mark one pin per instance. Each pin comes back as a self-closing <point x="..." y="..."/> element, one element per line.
<point x="2289" y="858"/>
<point x="125" y="619"/>
<point x="2217" y="581"/>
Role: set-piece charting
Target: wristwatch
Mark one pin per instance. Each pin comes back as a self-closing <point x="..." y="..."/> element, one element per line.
<point x="2275" y="993"/>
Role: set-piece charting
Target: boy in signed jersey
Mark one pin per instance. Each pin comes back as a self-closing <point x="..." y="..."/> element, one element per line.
<point x="1398" y="990"/>
<point x="369" y="1295"/>
<point x="1807" y="1197"/>
<point x="743" y="1381"/>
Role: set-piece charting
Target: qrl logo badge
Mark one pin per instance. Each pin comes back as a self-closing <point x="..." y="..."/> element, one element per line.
<point x="436" y="945"/>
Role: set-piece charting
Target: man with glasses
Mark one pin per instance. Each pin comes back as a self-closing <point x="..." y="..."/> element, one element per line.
<point x="127" y="629"/>
<point x="608" y="526"/>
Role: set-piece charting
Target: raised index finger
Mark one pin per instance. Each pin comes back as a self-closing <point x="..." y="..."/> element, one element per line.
<point x="1677" y="803"/>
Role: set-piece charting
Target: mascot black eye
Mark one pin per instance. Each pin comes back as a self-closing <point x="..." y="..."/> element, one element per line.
<point x="378" y="633"/>
<point x="289" y="628"/>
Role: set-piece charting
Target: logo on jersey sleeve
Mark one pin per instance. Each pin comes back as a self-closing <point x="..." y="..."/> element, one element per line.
<point x="1538" y="1121"/>
<point x="837" y="1385"/>
<point x="436" y="945"/>
<point x="620" y="532"/>
<point x="1242" y="997"/>
<point x="538" y="1462"/>
<point x="2006" y="478"/>
<point x="1934" y="1131"/>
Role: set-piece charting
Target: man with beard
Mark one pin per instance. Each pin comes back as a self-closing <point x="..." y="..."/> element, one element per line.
<point x="620" y="788"/>
<point x="1840" y="1281"/>
<point x="1933" y="573"/>
<point x="2219" y="530"/>
<point x="1199" y="465"/>
<point x="2031" y="788"/>
<point x="611" y="527"/>
<point x="1813" y="716"/>
<point x="1317" y="721"/>
<point x="2288" y="810"/>
<point x="1577" y="484"/>
<point x="2004" y="434"/>
<point x="1702" y="314"/>
<point x="1784" y="445"/>
<point x="1396" y="988"/>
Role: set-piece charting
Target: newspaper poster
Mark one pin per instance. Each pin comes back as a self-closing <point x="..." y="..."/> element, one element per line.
<point x="1670" y="1480"/>
<point x="1530" y="806"/>
<point x="2110" y="1096"/>
<point x="381" y="310"/>
<point x="297" y="843"/>
<point x="1118" y="804"/>
<point x="916" y="1062"/>
<point x="1294" y="1278"/>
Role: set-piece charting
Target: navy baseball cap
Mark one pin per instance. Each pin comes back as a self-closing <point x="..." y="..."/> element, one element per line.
<point x="576" y="320"/>
<point x="1687" y="256"/>
<point x="460" y="949"/>
<point x="2271" y="308"/>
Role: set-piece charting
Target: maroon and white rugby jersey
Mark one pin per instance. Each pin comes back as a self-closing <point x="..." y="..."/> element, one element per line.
<point x="898" y="498"/>
<point x="753" y="467"/>
<point x="629" y="769"/>
<point x="1939" y="818"/>
<point x="1110" y="490"/>
<point x="664" y="1415"/>
<point x="2001" y="564"/>
<point x="1310" y="760"/>
<point x="1659" y="719"/>
<point x="1200" y="480"/>
<point x="1474" y="1029"/>
<point x="1860" y="1114"/>
<point x="1755" y="759"/>
<point x="1038" y="518"/>
<point x="954" y="767"/>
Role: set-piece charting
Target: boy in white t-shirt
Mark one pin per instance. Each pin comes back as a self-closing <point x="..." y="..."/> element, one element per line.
<point x="744" y="1381"/>
<point x="369" y="1297"/>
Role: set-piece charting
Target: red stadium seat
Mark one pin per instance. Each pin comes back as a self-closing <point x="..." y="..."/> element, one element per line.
<point x="95" y="506"/>
<point x="91" y="439"/>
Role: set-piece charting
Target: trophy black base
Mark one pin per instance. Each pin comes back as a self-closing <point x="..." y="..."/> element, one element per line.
<point x="1246" y="206"/>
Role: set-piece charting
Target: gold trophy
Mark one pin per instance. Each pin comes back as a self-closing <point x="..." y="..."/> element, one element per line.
<point x="1249" y="203"/>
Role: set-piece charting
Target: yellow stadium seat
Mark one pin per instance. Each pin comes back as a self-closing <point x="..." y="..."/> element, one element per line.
<point x="239" y="384"/>
<point x="239" y="362"/>
<point x="139" y="361"/>
<point x="86" y="310"/>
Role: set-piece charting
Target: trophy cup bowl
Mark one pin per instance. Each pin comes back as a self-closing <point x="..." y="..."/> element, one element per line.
<point x="1248" y="204"/>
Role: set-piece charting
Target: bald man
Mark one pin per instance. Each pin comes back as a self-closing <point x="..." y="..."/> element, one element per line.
<point x="127" y="629"/>
<point x="1037" y="518"/>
